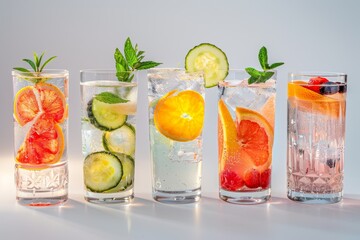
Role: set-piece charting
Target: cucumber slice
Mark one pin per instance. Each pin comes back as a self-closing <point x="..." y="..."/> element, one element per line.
<point x="121" y="140"/>
<point x="211" y="60"/>
<point x="102" y="171"/>
<point x="105" y="116"/>
<point x="128" y="176"/>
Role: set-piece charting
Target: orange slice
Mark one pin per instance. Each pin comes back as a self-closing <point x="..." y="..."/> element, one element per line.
<point x="25" y="105"/>
<point x="44" y="143"/>
<point x="53" y="101"/>
<point x="245" y="144"/>
<point x="311" y="101"/>
<point x="179" y="115"/>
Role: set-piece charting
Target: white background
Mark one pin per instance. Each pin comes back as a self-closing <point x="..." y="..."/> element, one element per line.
<point x="320" y="35"/>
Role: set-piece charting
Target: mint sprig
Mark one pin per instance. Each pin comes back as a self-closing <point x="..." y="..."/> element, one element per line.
<point x="130" y="61"/>
<point x="257" y="76"/>
<point x="110" y="98"/>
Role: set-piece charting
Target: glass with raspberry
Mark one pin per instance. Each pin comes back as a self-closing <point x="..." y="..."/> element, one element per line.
<point x="245" y="138"/>
<point x="316" y="131"/>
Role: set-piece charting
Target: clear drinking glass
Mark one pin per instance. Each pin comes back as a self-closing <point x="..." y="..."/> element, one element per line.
<point x="108" y="110"/>
<point x="40" y="128"/>
<point x="316" y="136"/>
<point x="176" y="113"/>
<point x="245" y="138"/>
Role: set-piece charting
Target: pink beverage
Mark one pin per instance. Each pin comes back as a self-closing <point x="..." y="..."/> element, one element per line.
<point x="316" y="137"/>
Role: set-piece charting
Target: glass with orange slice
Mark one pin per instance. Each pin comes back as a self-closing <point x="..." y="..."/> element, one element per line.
<point x="245" y="138"/>
<point x="40" y="128"/>
<point x="176" y="113"/>
<point x="316" y="136"/>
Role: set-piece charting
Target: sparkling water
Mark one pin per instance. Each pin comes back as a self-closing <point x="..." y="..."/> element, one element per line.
<point x="316" y="148"/>
<point x="176" y="165"/>
<point x="40" y="184"/>
<point x="92" y="136"/>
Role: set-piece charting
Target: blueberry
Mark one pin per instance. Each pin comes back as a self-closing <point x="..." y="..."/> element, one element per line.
<point x="329" y="88"/>
<point x="342" y="87"/>
<point x="331" y="163"/>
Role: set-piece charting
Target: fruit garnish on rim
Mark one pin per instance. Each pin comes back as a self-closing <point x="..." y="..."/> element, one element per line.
<point x="37" y="66"/>
<point x="211" y="60"/>
<point x="257" y="76"/>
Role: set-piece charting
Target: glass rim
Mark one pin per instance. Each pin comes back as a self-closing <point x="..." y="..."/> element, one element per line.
<point x="153" y="70"/>
<point x="167" y="72"/>
<point x="103" y="70"/>
<point x="53" y="73"/>
<point x="317" y="73"/>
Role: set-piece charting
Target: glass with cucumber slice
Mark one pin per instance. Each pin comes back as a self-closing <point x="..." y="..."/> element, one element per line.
<point x="109" y="99"/>
<point x="108" y="134"/>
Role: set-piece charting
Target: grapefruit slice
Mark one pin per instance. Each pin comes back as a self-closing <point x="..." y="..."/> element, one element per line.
<point x="268" y="110"/>
<point x="180" y="115"/>
<point x="25" y="105"/>
<point x="310" y="101"/>
<point x="53" y="101"/>
<point x="255" y="135"/>
<point x="44" y="143"/>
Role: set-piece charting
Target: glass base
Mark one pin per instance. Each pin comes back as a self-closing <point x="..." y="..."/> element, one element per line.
<point x="41" y="187"/>
<point x="42" y="202"/>
<point x="314" y="198"/>
<point x="119" y="197"/>
<point x="246" y="198"/>
<point x="177" y="197"/>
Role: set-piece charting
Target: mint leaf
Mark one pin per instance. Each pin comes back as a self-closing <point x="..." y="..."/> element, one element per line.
<point x="252" y="80"/>
<point x="124" y="76"/>
<point x="120" y="59"/>
<point x="130" y="53"/>
<point x="265" y="76"/>
<point x="110" y="98"/>
<point x="147" y="65"/>
<point x="253" y="72"/>
<point x="263" y="58"/>
<point x="131" y="62"/>
<point x="275" y="65"/>
<point x="257" y="76"/>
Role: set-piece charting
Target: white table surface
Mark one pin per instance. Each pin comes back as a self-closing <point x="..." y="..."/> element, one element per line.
<point x="144" y="218"/>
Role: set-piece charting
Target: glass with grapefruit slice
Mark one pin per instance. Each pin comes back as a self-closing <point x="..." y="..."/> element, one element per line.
<point x="245" y="138"/>
<point x="316" y="136"/>
<point x="40" y="128"/>
<point x="176" y="112"/>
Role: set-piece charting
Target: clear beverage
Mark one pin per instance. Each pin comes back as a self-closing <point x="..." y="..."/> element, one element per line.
<point x="40" y="128"/>
<point x="108" y="126"/>
<point x="176" y="113"/>
<point x="245" y="138"/>
<point x="316" y="137"/>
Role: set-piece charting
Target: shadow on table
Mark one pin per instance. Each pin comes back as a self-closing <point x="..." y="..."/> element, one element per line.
<point x="144" y="216"/>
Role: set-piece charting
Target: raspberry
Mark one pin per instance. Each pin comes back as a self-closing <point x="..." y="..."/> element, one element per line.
<point x="265" y="178"/>
<point x="252" y="178"/>
<point x="314" y="83"/>
<point x="230" y="181"/>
